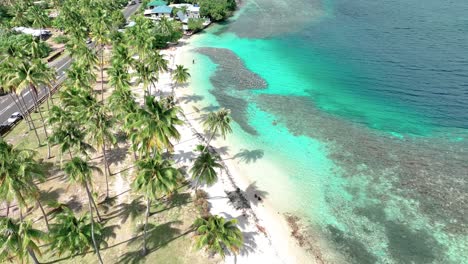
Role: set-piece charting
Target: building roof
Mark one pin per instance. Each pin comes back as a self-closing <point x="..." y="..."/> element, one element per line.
<point x="193" y="9"/>
<point x="181" y="16"/>
<point x="157" y="3"/>
<point x="162" y="10"/>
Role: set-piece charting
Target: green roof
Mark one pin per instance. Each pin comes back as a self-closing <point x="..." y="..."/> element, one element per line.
<point x="157" y="3"/>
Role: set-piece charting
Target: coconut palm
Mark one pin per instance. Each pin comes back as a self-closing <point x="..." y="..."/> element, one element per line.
<point x="71" y="234"/>
<point x="146" y="75"/>
<point x="218" y="235"/>
<point x="38" y="17"/>
<point x="204" y="167"/>
<point x="219" y="121"/>
<point x="80" y="172"/>
<point x="98" y="125"/>
<point x="121" y="56"/>
<point x="19" y="13"/>
<point x="67" y="133"/>
<point x="19" y="239"/>
<point x="79" y="76"/>
<point x="100" y="34"/>
<point x="140" y="37"/>
<point x="156" y="123"/>
<point x="32" y="75"/>
<point x="156" y="177"/>
<point x="118" y="75"/>
<point x="122" y="103"/>
<point x="180" y="76"/>
<point x="18" y="173"/>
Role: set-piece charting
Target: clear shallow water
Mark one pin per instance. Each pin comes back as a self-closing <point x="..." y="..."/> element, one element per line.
<point x="363" y="107"/>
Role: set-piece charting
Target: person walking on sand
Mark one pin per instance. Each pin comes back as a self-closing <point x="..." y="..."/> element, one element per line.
<point x="193" y="61"/>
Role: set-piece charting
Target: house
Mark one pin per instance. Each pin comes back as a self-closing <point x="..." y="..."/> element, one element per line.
<point x="161" y="11"/>
<point x="193" y="11"/>
<point x="188" y="11"/>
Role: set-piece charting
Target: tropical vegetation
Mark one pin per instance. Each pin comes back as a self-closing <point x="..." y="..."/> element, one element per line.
<point x="66" y="206"/>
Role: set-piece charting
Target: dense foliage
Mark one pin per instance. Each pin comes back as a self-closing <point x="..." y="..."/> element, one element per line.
<point x="195" y="24"/>
<point x="217" y="10"/>
<point x="22" y="45"/>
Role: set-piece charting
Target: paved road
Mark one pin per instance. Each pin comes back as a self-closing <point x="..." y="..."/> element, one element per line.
<point x="8" y="106"/>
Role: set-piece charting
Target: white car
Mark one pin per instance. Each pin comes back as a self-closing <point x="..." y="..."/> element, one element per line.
<point x="15" y="117"/>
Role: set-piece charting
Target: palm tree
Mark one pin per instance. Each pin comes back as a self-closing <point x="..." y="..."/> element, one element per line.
<point x="80" y="172"/>
<point x="8" y="71"/>
<point x="19" y="12"/>
<point x="155" y="126"/>
<point x="18" y="239"/>
<point x="99" y="124"/>
<point x="100" y="34"/>
<point x="204" y="167"/>
<point x="121" y="56"/>
<point x="140" y="36"/>
<point x="71" y="234"/>
<point x="31" y="75"/>
<point x="180" y="76"/>
<point x="146" y="76"/>
<point x="218" y="235"/>
<point x="219" y="121"/>
<point x="156" y="177"/>
<point x="67" y="133"/>
<point x="18" y="173"/>
<point x="38" y="17"/>
<point x="80" y="76"/>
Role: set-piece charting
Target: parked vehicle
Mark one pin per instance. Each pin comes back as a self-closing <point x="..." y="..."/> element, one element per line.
<point x="3" y="129"/>
<point x="15" y="117"/>
<point x="131" y="3"/>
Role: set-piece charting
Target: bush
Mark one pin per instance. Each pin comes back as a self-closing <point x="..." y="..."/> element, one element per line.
<point x="195" y="24"/>
<point x="61" y="39"/>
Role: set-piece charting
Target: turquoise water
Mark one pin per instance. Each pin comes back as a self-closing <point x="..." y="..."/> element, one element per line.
<point x="361" y="106"/>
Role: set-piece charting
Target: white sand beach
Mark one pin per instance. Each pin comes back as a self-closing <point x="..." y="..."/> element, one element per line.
<point x="266" y="232"/>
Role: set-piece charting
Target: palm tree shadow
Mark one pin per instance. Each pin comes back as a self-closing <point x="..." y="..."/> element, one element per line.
<point x="191" y="98"/>
<point x="253" y="190"/>
<point x="117" y="155"/>
<point x="176" y="200"/>
<point x="242" y="221"/>
<point x="131" y="210"/>
<point x="249" y="245"/>
<point x="158" y="237"/>
<point x="249" y="156"/>
<point x="183" y="156"/>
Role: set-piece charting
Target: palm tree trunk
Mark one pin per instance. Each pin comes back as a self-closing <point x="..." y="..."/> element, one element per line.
<point x="106" y="169"/>
<point x="18" y="104"/>
<point x="43" y="213"/>
<point x="38" y="107"/>
<point x="91" y="201"/>
<point x="102" y="73"/>
<point x="7" y="204"/>
<point x="209" y="140"/>
<point x="33" y="256"/>
<point x="96" y="248"/>
<point x="145" y="229"/>
<point x="32" y="122"/>
<point x="50" y="95"/>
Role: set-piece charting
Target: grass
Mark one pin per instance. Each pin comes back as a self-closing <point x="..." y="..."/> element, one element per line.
<point x="170" y="238"/>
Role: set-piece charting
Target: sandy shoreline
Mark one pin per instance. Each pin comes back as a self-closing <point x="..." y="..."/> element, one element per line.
<point x="267" y="234"/>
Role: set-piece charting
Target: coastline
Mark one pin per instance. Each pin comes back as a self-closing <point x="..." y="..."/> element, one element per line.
<point x="268" y="235"/>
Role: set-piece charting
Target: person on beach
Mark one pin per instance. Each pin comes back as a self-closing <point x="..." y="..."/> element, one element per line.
<point x="193" y="61"/>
